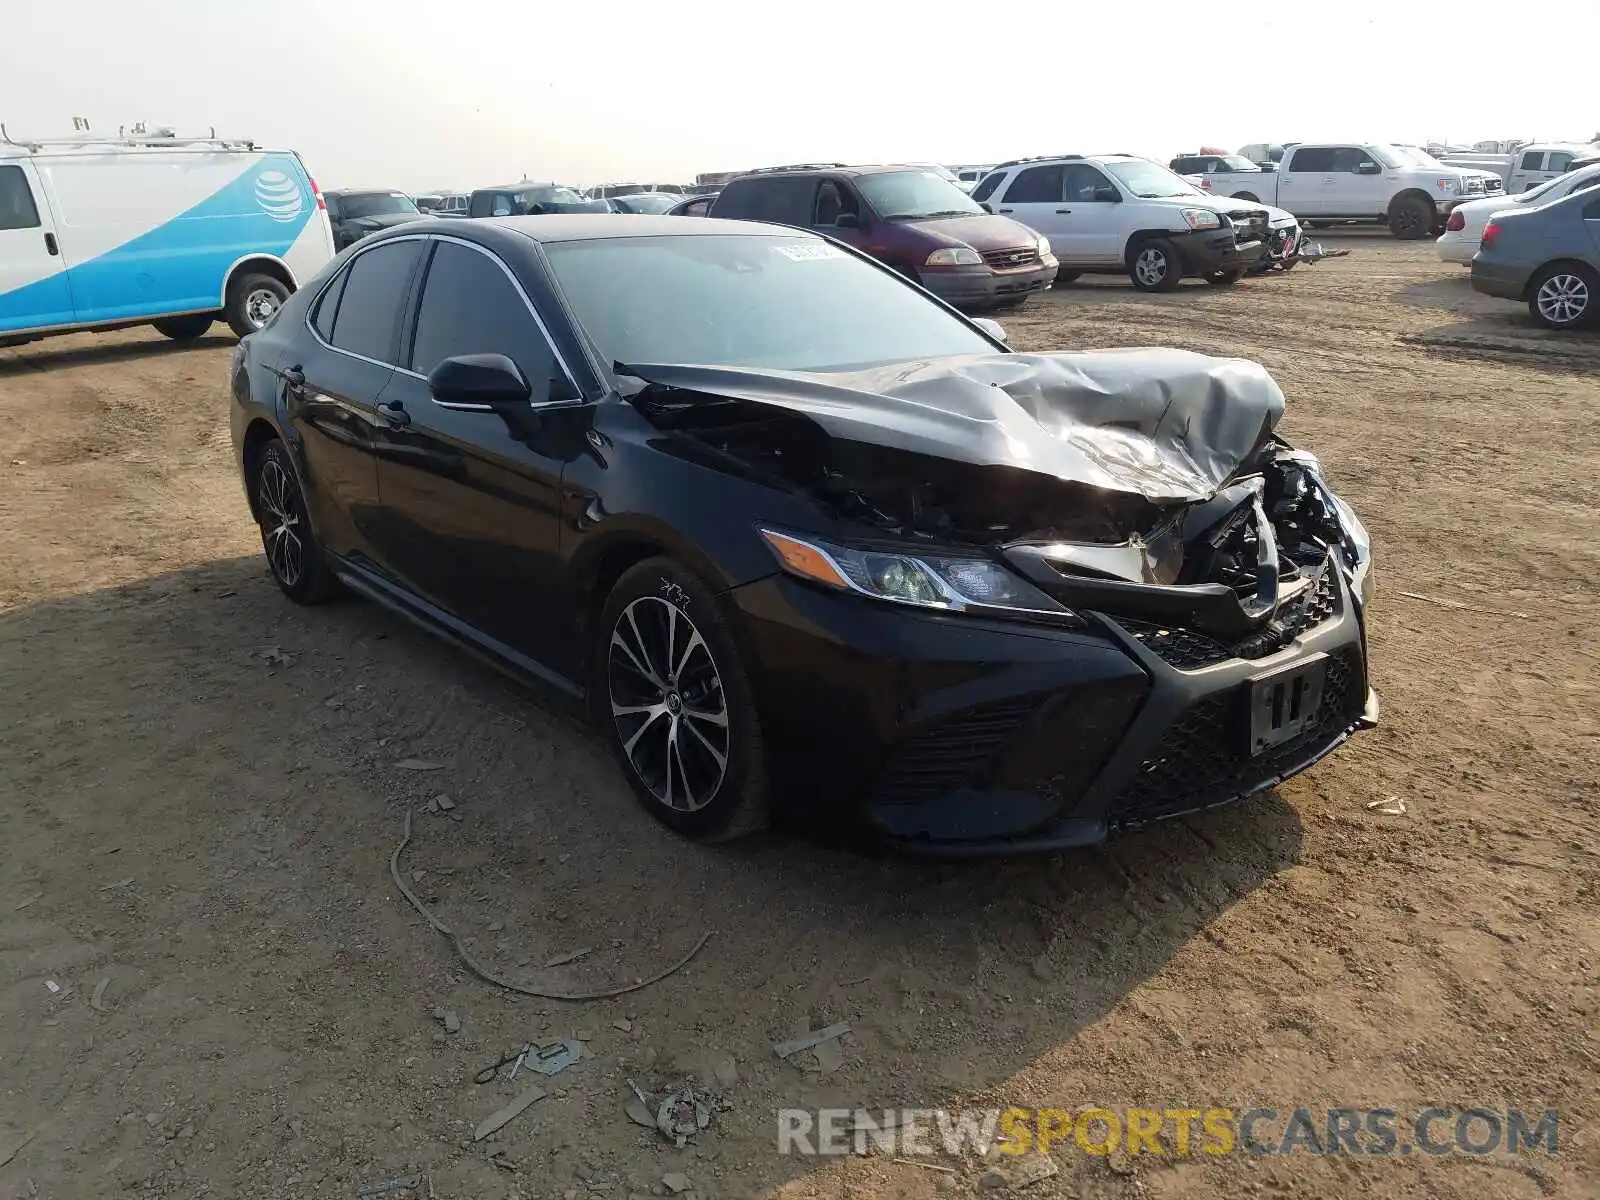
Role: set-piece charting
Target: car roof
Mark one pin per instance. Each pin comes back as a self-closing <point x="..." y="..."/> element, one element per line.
<point x="584" y="227"/>
<point x="833" y="169"/>
<point x="368" y="191"/>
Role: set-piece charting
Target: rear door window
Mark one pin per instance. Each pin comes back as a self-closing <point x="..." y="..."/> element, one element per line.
<point x="1312" y="158"/>
<point x="327" y="307"/>
<point x="368" y="320"/>
<point x="17" y="209"/>
<point x="1533" y="160"/>
<point x="1036" y="185"/>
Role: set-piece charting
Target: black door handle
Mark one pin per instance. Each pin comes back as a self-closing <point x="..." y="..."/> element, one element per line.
<point x="395" y="413"/>
<point x="50" y="244"/>
<point x="1063" y="212"/>
<point x="294" y="377"/>
<point x="1005" y="210"/>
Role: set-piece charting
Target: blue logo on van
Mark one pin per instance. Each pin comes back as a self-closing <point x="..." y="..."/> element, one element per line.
<point x="278" y="196"/>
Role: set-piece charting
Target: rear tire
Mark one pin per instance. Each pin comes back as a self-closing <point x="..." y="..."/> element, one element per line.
<point x="1565" y="296"/>
<point x="253" y="300"/>
<point x="1154" y="265"/>
<point x="1411" y="218"/>
<point x="294" y="555"/>
<point x="1224" y="278"/>
<point x="669" y="688"/>
<point x="183" y="329"/>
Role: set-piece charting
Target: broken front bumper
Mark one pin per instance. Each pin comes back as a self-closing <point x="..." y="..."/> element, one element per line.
<point x="948" y="735"/>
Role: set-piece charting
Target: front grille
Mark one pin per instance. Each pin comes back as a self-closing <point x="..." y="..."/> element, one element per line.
<point x="949" y="755"/>
<point x="1202" y="760"/>
<point x="1188" y="649"/>
<point x="1010" y="260"/>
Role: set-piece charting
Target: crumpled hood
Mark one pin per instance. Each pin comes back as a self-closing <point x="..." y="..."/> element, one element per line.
<point x="1168" y="425"/>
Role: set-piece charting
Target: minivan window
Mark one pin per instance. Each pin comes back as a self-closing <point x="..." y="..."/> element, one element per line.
<point x="17" y="209"/>
<point x="750" y="301"/>
<point x="913" y="195"/>
<point x="785" y="200"/>
<point x="369" y="310"/>
<point x="470" y="306"/>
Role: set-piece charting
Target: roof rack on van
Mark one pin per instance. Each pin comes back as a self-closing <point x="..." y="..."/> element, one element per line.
<point x="139" y="139"/>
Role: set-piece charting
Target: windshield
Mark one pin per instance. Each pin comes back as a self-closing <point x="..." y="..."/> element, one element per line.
<point x="548" y="195"/>
<point x="1149" y="181"/>
<point x="908" y="195"/>
<point x="375" y="204"/>
<point x="750" y="301"/>
<point x="1413" y="154"/>
<point x="646" y="202"/>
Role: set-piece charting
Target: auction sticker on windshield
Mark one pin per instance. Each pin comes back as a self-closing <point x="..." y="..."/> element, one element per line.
<point x="809" y="253"/>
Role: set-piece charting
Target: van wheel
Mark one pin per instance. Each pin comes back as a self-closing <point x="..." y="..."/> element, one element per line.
<point x="1224" y="278"/>
<point x="253" y="300"/>
<point x="1411" y="218"/>
<point x="183" y="329"/>
<point x="670" y="691"/>
<point x="1155" y="265"/>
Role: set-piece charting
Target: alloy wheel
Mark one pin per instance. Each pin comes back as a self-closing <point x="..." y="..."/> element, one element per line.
<point x="1151" y="266"/>
<point x="1563" y="299"/>
<point x="280" y="523"/>
<point x="259" y="306"/>
<point x="668" y="705"/>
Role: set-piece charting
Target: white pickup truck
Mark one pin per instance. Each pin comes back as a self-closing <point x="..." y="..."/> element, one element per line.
<point x="1399" y="186"/>
<point x="1530" y="166"/>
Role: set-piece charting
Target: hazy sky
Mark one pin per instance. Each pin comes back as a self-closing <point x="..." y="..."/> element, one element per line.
<point x="457" y="93"/>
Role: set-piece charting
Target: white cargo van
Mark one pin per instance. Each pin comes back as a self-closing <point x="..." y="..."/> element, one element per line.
<point x="102" y="234"/>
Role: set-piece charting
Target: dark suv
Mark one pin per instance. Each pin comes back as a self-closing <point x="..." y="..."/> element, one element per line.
<point x="911" y="218"/>
<point x="353" y="214"/>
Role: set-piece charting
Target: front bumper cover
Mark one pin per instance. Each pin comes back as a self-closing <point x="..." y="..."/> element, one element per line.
<point x="950" y="736"/>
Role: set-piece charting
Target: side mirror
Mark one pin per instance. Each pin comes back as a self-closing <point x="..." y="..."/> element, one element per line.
<point x="1107" y="195"/>
<point x="478" y="379"/>
<point x="993" y="328"/>
<point x="847" y="221"/>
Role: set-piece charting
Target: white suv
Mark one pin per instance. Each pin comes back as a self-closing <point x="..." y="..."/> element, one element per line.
<point x="1118" y="212"/>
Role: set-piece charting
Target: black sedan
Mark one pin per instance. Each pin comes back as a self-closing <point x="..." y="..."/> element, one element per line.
<point x="803" y="539"/>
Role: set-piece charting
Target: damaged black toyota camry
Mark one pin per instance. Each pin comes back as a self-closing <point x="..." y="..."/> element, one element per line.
<point x="804" y="540"/>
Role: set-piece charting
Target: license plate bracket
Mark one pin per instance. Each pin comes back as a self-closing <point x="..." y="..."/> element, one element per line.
<point x="1285" y="703"/>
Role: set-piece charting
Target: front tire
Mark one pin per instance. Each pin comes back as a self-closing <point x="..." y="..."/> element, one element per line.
<point x="1411" y="218"/>
<point x="670" y="689"/>
<point x="1565" y="296"/>
<point x="294" y="556"/>
<point x="253" y="300"/>
<point x="183" y="329"/>
<point x="1155" y="266"/>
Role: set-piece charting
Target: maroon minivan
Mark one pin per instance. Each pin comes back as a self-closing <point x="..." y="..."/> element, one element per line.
<point x="911" y="218"/>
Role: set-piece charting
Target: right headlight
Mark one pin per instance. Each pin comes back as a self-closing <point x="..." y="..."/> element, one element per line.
<point x="954" y="256"/>
<point x="952" y="584"/>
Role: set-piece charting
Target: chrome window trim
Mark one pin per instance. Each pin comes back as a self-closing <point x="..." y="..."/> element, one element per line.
<point x="544" y="330"/>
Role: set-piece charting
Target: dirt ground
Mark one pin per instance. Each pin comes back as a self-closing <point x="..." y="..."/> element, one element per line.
<point x="202" y="786"/>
